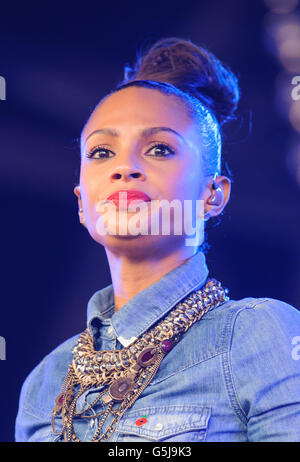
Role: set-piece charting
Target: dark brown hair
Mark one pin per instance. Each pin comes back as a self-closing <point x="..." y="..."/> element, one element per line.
<point x="192" y="69"/>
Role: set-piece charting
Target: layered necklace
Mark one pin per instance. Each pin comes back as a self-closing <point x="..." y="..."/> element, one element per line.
<point x="125" y="373"/>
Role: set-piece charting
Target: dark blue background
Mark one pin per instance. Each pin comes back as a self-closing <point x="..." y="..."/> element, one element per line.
<point x="58" y="60"/>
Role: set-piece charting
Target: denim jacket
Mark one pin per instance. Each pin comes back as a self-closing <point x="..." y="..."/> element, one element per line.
<point x="233" y="376"/>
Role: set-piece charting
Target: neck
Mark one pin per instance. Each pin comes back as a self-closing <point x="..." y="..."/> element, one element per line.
<point x="130" y="276"/>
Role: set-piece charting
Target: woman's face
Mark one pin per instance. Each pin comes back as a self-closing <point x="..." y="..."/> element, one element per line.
<point x="124" y="147"/>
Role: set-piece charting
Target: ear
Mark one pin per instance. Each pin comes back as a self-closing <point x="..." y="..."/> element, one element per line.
<point x="216" y="195"/>
<point x="76" y="191"/>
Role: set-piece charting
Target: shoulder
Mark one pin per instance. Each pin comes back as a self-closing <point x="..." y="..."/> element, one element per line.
<point x="249" y="320"/>
<point x="267" y="316"/>
<point x="255" y="312"/>
<point x="264" y="332"/>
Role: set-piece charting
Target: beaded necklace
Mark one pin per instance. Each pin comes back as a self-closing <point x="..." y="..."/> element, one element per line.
<point x="126" y="373"/>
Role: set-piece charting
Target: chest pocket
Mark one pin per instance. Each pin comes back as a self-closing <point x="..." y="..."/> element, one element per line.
<point x="184" y="423"/>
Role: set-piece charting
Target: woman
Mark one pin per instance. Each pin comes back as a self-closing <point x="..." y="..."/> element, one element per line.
<point x="167" y="355"/>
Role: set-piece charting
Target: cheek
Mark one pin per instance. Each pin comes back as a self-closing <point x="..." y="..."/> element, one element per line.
<point x="91" y="186"/>
<point x="91" y="183"/>
<point x="186" y="181"/>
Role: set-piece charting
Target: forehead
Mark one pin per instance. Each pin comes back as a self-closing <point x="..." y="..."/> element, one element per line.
<point x="140" y="107"/>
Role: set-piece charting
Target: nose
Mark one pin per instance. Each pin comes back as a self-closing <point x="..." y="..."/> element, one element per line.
<point x="127" y="173"/>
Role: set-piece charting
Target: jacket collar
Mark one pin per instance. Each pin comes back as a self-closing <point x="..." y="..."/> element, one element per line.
<point x="149" y="305"/>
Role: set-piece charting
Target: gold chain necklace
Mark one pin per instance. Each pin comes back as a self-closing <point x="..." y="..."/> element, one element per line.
<point x="128" y="371"/>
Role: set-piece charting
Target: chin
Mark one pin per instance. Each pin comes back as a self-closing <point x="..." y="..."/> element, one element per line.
<point x="141" y="246"/>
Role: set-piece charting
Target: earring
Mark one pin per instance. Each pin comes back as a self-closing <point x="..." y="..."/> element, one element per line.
<point x="216" y="194"/>
<point x="80" y="210"/>
<point x="215" y="198"/>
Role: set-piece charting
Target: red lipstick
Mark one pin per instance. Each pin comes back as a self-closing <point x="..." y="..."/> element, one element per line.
<point x="131" y="195"/>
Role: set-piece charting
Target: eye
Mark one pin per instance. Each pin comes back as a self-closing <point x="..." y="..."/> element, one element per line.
<point x="102" y="153"/>
<point x="160" y="150"/>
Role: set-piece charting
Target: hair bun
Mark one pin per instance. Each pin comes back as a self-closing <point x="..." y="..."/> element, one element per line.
<point x="192" y="69"/>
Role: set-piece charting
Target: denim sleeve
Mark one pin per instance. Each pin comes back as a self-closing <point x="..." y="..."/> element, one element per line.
<point x="26" y="416"/>
<point x="31" y="424"/>
<point x="38" y="393"/>
<point x="20" y="433"/>
<point x="265" y="370"/>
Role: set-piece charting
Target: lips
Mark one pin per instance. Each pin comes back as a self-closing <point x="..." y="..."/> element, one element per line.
<point x="127" y="196"/>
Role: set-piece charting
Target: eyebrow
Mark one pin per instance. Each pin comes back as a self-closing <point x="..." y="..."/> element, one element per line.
<point x="144" y="133"/>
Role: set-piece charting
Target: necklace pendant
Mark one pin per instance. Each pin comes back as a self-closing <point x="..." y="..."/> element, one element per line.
<point x="120" y="387"/>
<point x="147" y="357"/>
